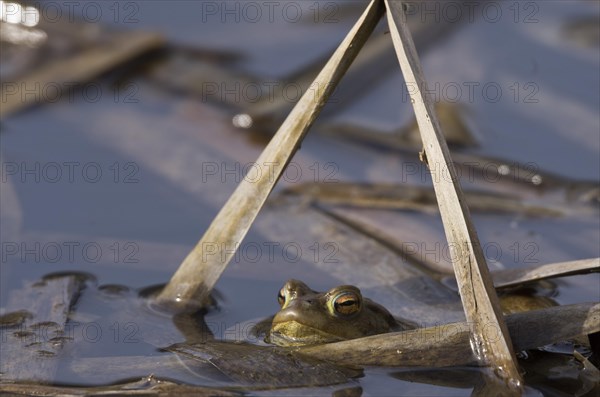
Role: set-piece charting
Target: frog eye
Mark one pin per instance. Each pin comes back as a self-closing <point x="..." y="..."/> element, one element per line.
<point x="346" y="303"/>
<point x="281" y="297"/>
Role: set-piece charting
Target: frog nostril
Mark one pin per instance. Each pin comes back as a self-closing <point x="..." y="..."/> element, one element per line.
<point x="306" y="304"/>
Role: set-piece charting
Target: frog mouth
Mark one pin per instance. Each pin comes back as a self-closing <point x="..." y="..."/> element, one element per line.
<point x="293" y="333"/>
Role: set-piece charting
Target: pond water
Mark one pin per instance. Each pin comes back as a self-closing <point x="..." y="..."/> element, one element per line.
<point x="124" y="185"/>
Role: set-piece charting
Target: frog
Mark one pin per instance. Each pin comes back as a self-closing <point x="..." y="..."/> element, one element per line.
<point x="521" y="301"/>
<point x="309" y="317"/>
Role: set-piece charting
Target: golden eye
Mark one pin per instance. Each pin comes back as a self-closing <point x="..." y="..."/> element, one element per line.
<point x="346" y="303"/>
<point x="281" y="297"/>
